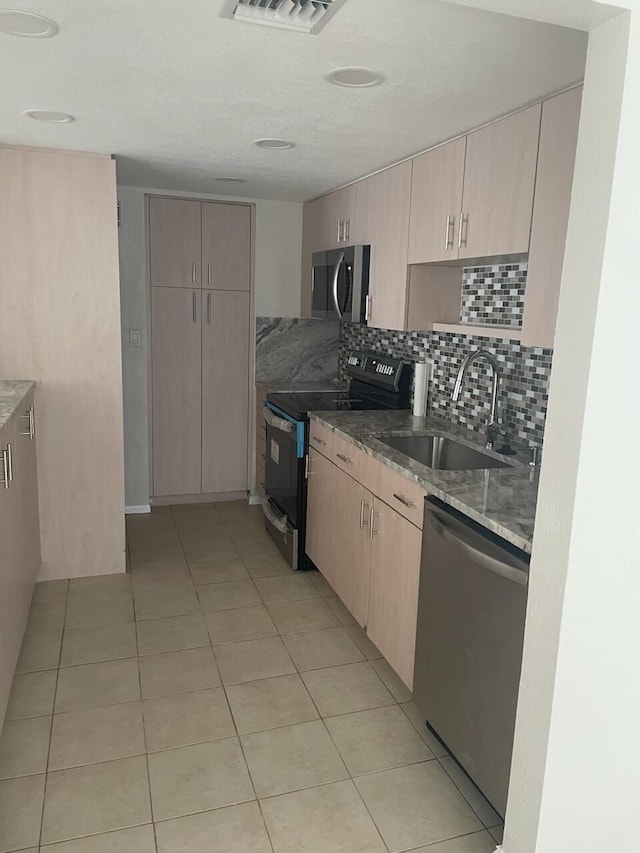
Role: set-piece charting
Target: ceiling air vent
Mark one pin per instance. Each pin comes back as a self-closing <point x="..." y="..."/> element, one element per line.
<point x="304" y="16"/>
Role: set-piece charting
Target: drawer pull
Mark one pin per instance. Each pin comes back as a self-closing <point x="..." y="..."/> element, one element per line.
<point x="344" y="458"/>
<point x="404" y="500"/>
<point x="318" y="440"/>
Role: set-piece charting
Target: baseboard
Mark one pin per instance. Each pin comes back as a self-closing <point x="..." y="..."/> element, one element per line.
<point x="170" y="500"/>
<point x="137" y="510"/>
<point x="255" y="499"/>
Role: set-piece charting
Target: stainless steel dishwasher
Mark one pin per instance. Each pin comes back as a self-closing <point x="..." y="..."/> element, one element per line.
<point x="471" y="614"/>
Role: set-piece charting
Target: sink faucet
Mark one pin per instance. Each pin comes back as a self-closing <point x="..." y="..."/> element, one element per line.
<point x="493" y="428"/>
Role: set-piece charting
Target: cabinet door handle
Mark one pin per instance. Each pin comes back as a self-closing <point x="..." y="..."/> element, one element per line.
<point x="464" y="227"/>
<point x="208" y="273"/>
<point x="209" y="308"/>
<point x="318" y="440"/>
<point x="363" y="506"/>
<point x="9" y="463"/>
<point x="5" y="469"/>
<point x="344" y="458"/>
<point x="347" y="230"/>
<point x="339" y="230"/>
<point x="193" y="272"/>
<point x="372" y="517"/>
<point x="367" y="310"/>
<point x="450" y="233"/>
<point x="404" y="500"/>
<point x="31" y="431"/>
<point x="194" y="307"/>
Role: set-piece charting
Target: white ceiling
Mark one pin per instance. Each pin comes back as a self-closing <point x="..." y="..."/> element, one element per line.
<point x="580" y="14"/>
<point x="178" y="93"/>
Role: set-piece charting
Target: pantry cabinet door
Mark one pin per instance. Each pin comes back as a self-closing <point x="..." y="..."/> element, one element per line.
<point x="226" y="246"/>
<point x="436" y="198"/>
<point x="393" y="597"/>
<point x="176" y="390"/>
<point x="556" y="160"/>
<point x="499" y="179"/>
<point x="389" y="195"/>
<point x="225" y="391"/>
<point x="175" y="244"/>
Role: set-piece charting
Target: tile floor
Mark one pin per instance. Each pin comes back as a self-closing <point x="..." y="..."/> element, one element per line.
<point x="211" y="700"/>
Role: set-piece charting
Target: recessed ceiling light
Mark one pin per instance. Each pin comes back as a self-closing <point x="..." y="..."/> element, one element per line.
<point x="231" y="180"/>
<point x="275" y="144"/>
<point x="354" y="77"/>
<point x="49" y="116"/>
<point x="13" y="22"/>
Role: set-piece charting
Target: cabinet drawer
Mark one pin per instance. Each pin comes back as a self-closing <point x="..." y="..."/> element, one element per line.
<point x="351" y="460"/>
<point x="321" y="439"/>
<point x="401" y="494"/>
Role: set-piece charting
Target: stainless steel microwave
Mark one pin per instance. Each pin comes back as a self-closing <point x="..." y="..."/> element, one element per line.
<point x="340" y="284"/>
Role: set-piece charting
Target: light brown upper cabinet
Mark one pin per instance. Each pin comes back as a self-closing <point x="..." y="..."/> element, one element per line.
<point x="226" y="232"/>
<point x="436" y="197"/>
<point x="225" y="391"/>
<point x="499" y="180"/>
<point x="556" y="160"/>
<point x="386" y="197"/>
<point x="175" y="242"/>
<point x="473" y="196"/>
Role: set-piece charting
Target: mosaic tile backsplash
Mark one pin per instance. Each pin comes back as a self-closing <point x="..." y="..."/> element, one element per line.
<point x="494" y="295"/>
<point x="524" y="388"/>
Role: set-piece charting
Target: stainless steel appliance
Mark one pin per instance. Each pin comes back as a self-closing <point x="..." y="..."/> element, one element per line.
<point x="376" y="382"/>
<point x="471" y="615"/>
<point x="340" y="284"/>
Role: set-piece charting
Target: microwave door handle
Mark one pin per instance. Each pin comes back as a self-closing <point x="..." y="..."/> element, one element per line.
<point x="336" y="274"/>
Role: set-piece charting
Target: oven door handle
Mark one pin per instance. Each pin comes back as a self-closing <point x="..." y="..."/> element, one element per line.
<point x="278" y="423"/>
<point x="278" y="521"/>
<point x="336" y="274"/>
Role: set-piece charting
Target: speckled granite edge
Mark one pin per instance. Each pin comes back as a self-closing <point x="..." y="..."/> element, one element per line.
<point x="502" y="500"/>
<point x="12" y="393"/>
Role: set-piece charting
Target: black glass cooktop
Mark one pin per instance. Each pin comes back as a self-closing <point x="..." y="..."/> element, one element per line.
<point x="297" y="404"/>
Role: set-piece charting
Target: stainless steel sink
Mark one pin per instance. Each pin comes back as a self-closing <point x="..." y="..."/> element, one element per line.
<point x="436" y="451"/>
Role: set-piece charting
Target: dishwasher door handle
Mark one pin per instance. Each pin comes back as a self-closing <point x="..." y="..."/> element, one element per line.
<point x="486" y="561"/>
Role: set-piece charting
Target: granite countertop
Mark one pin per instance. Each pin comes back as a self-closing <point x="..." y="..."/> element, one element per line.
<point x="501" y="499"/>
<point x="12" y="393"/>
<point x="296" y="385"/>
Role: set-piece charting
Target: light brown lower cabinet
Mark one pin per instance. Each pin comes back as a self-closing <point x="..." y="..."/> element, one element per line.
<point x="370" y="554"/>
<point x="19" y="539"/>
<point x="393" y="589"/>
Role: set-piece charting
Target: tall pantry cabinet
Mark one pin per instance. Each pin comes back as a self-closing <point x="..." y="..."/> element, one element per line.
<point x="200" y="274"/>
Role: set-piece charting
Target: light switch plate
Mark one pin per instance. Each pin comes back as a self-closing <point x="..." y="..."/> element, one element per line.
<point x="135" y="338"/>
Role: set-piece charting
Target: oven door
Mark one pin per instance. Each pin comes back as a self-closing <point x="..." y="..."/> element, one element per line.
<point x="284" y="480"/>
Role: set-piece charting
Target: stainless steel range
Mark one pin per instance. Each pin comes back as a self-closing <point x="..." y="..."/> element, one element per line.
<point x="375" y="382"/>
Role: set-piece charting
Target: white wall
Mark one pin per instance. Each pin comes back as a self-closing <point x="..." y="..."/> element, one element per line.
<point x="278" y="241"/>
<point x="576" y="768"/>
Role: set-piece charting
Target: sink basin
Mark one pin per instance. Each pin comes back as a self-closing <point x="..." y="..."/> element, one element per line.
<point x="435" y="451"/>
